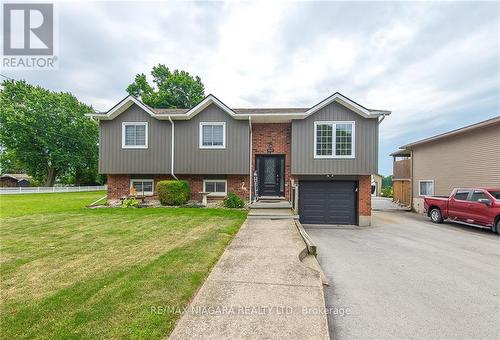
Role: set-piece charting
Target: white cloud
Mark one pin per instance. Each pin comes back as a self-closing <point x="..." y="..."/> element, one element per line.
<point x="423" y="61"/>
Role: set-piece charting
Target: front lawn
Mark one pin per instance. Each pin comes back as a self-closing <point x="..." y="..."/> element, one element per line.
<point x="67" y="271"/>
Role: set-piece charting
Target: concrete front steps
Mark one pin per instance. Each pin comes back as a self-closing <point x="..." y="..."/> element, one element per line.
<point x="271" y="209"/>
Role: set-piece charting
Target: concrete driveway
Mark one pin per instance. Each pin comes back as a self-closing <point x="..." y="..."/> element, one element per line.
<point x="405" y="277"/>
<point x="386" y="204"/>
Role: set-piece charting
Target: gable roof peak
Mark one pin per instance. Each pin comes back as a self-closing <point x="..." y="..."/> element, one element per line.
<point x="184" y="114"/>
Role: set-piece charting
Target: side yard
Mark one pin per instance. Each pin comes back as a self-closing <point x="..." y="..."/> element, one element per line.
<point x="67" y="271"/>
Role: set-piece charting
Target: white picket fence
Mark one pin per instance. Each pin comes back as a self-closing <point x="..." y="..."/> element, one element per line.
<point x="45" y="190"/>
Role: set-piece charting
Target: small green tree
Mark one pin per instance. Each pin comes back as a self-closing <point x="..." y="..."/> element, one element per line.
<point x="177" y="89"/>
<point x="47" y="131"/>
<point x="387" y="182"/>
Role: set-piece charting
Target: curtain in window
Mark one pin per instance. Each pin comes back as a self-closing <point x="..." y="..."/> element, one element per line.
<point x="135" y="135"/>
<point x="213" y="135"/>
<point x="426" y="188"/>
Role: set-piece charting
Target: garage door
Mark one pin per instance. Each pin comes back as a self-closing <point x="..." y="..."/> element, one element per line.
<point x="332" y="202"/>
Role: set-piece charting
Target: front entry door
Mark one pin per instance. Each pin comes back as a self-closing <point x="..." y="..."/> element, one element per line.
<point x="271" y="175"/>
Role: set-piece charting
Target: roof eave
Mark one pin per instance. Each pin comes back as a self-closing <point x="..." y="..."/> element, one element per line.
<point x="128" y="101"/>
<point x="488" y="122"/>
<point x="350" y="104"/>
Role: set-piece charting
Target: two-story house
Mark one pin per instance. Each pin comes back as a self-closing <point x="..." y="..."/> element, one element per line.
<point x="467" y="157"/>
<point x="327" y="153"/>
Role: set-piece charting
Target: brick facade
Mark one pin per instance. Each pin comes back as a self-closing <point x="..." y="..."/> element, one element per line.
<point x="273" y="139"/>
<point x="119" y="185"/>
<point x="239" y="184"/>
<point x="365" y="195"/>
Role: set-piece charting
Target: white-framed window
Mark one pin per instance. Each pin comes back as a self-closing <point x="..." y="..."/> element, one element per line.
<point x="134" y="135"/>
<point x="334" y="139"/>
<point x="212" y="135"/>
<point x="426" y="187"/>
<point x="216" y="187"/>
<point x="142" y="186"/>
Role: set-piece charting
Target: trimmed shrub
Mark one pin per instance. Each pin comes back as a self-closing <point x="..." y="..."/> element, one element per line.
<point x="173" y="192"/>
<point x="233" y="201"/>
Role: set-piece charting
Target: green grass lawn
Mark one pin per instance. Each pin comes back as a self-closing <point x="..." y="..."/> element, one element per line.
<point x="71" y="272"/>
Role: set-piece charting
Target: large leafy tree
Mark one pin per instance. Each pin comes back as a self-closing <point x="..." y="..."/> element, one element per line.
<point x="47" y="131"/>
<point x="177" y="89"/>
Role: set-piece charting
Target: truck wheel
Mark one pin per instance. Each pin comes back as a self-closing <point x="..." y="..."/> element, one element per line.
<point x="436" y="216"/>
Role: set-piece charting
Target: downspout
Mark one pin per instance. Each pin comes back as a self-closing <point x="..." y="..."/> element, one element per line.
<point x="250" y="161"/>
<point x="172" y="151"/>
<point x="411" y="179"/>
<point x="381" y="119"/>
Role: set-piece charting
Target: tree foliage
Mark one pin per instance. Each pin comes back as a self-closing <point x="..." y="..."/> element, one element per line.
<point x="47" y="131"/>
<point x="177" y="89"/>
<point x="387" y="181"/>
<point x="9" y="163"/>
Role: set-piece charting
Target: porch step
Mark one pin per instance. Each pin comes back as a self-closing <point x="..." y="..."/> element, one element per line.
<point x="273" y="214"/>
<point x="271" y="198"/>
<point x="273" y="217"/>
<point x="271" y="205"/>
<point x="270" y="212"/>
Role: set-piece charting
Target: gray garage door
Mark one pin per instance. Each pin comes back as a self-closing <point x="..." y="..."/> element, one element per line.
<point x="332" y="202"/>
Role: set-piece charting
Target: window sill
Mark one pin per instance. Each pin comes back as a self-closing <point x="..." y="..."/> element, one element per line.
<point x="334" y="157"/>
<point x="217" y="195"/>
<point x="135" y="147"/>
<point x="212" y="147"/>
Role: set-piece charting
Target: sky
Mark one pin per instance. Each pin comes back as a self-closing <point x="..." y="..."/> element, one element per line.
<point x="435" y="65"/>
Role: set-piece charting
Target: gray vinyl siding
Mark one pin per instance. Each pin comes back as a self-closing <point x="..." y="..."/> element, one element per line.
<point x="366" y="144"/>
<point x="190" y="159"/>
<point x="153" y="160"/>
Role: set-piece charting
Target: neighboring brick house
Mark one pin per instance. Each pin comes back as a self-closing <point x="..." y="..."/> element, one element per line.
<point x="327" y="153"/>
<point x="466" y="157"/>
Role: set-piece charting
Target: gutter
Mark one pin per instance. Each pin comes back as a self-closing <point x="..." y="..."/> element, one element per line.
<point x="250" y="161"/>
<point x="173" y="145"/>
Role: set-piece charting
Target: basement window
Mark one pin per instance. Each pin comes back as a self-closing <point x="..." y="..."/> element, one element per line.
<point x="142" y="187"/>
<point x="216" y="187"/>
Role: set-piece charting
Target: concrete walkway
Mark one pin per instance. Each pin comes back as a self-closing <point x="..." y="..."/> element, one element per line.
<point x="386" y="204"/>
<point x="259" y="289"/>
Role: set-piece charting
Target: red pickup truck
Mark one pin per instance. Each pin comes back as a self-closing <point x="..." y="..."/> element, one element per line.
<point x="471" y="206"/>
